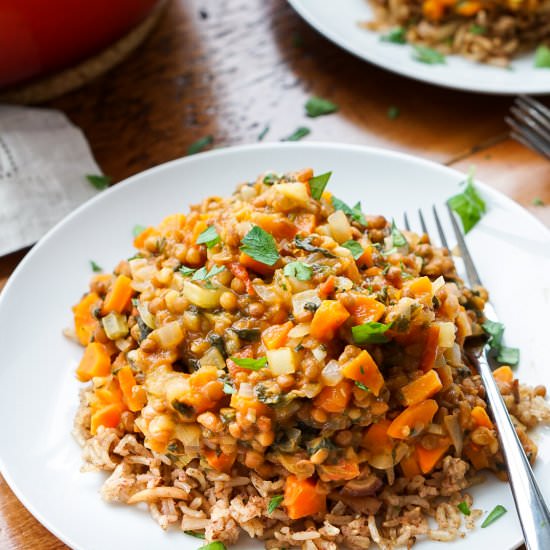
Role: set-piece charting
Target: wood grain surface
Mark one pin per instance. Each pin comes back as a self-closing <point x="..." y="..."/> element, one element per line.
<point x="232" y="68"/>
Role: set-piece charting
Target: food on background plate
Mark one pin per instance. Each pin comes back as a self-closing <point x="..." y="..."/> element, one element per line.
<point x="488" y="32"/>
<point x="282" y="364"/>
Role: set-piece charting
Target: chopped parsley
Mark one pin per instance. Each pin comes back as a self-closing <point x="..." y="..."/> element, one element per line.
<point x="395" y="36"/>
<point x="537" y="201"/>
<point x="428" y="55"/>
<point x="505" y="355"/>
<point x="477" y="29"/>
<point x="274" y="503"/>
<point x="468" y="205"/>
<point x="199" y="145"/>
<point x="186" y="271"/>
<point x="354" y="213"/>
<point x="138" y="229"/>
<point x="100" y="182"/>
<point x="508" y="356"/>
<point x="213" y="546"/>
<point x="370" y="333"/>
<point x="318" y="183"/>
<point x="398" y="238"/>
<point x="228" y="388"/>
<point x="393" y="112"/>
<point x="305" y="244"/>
<point x="361" y="386"/>
<point x="263" y="133"/>
<point x="95" y="268"/>
<point x="209" y="237"/>
<point x="497" y="512"/>
<point x="298" y="134"/>
<point x="298" y="270"/>
<point x="251" y="364"/>
<point x="271" y="178"/>
<point x="542" y="57"/>
<point x="260" y="246"/>
<point x="355" y="248"/>
<point x="195" y="534"/>
<point x="203" y="274"/>
<point x="464" y="508"/>
<point x="317" y="106"/>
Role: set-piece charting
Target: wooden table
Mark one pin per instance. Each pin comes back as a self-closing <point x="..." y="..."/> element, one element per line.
<point x="231" y="69"/>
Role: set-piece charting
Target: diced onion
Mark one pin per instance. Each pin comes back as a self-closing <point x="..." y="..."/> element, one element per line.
<point x="343" y="283"/>
<point x="332" y="374"/>
<point x="123" y="344"/>
<point x="281" y="361"/>
<point x="207" y="298"/>
<point x="115" y="325"/>
<point x="446" y="335"/>
<point x="146" y="316"/>
<point x="319" y="353"/>
<point x="339" y="226"/>
<point x="141" y="270"/>
<point x="168" y="336"/>
<point x="455" y="432"/>
<point x="438" y="284"/>
<point x="301" y="299"/>
<point x="213" y="358"/>
<point x="246" y="390"/>
<point x="453" y="355"/>
<point x="189" y="434"/>
<point x="299" y="330"/>
<point x="383" y="461"/>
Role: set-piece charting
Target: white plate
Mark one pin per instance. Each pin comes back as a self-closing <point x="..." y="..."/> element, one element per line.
<point x="38" y="390"/>
<point x="338" y="21"/>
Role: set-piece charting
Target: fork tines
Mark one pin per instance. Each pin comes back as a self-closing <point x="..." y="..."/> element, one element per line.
<point x="530" y="124"/>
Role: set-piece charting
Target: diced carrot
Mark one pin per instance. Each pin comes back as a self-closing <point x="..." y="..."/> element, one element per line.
<point x="304" y="175"/>
<point x="134" y="394"/>
<point x="94" y="362"/>
<point x="108" y="416"/>
<point x="303" y="497"/>
<point x="254" y="265"/>
<point x="376" y="439"/>
<point x="366" y="258"/>
<point x="433" y="9"/>
<point x="423" y="387"/>
<point x="409" y="466"/>
<point x="429" y="354"/>
<point x="334" y="399"/>
<point x="305" y="223"/>
<point x="363" y="309"/>
<point x="241" y="273"/>
<point x="468" y="8"/>
<point x="275" y="336"/>
<point x="328" y="318"/>
<point x="503" y="374"/>
<point x="327" y="287"/>
<point x="373" y="271"/>
<point x="84" y="320"/>
<point x="108" y="394"/>
<point x="363" y="369"/>
<point x="172" y="223"/>
<point x="118" y="298"/>
<point x="428" y="458"/>
<point x="244" y="404"/>
<point x="343" y="470"/>
<point x="413" y="419"/>
<point x="279" y="227"/>
<point x="476" y="456"/>
<point x="204" y="390"/>
<point x="481" y="418"/>
<point x="139" y="240"/>
<point x="419" y="287"/>
<point x="220" y="461"/>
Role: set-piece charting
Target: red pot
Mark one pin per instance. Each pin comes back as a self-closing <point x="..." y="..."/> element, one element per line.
<point x="43" y="36"/>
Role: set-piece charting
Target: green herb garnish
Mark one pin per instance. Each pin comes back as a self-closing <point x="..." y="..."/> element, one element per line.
<point x="427" y="55"/>
<point x="298" y="270"/>
<point x="186" y="271"/>
<point x="354" y="213"/>
<point x="355" y="248"/>
<point x="361" y="386"/>
<point x="317" y="106"/>
<point x="497" y="512"/>
<point x="95" y="268"/>
<point x="318" y="183"/>
<point x="464" y="508"/>
<point x="298" y="134"/>
<point x="393" y="112"/>
<point x="542" y="57"/>
<point x="195" y="534"/>
<point x="397" y="237"/>
<point x="263" y="133"/>
<point x="138" y="229"/>
<point x="228" y="388"/>
<point x="370" y="333"/>
<point x="99" y="182"/>
<point x="260" y="246"/>
<point x="251" y="364"/>
<point x="508" y="356"/>
<point x="203" y="274"/>
<point x="305" y="244"/>
<point x="247" y="334"/>
<point x="274" y="503"/>
<point x="468" y="205"/>
<point x="209" y="237"/>
<point x="213" y="546"/>
<point x="537" y="201"/>
<point x="395" y="36"/>
<point x="477" y="29"/>
<point x="199" y="145"/>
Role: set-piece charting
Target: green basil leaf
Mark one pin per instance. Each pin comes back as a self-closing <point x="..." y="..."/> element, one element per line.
<point x="199" y="145"/>
<point x="427" y="55"/>
<point x="464" y="508"/>
<point x="395" y="36"/>
<point x="203" y="275"/>
<point x="213" y="546"/>
<point x="209" y="237"/>
<point x="195" y="534"/>
<point x="497" y="512"/>
<point x="251" y="364"/>
<point x="260" y="246"/>
<point x="298" y="270"/>
<point x="370" y="333"/>
<point x="468" y="205"/>
<point x="95" y="268"/>
<point x="298" y="134"/>
<point x="318" y="183"/>
<point x="317" y="106"/>
<point x="354" y="213"/>
<point x="397" y="237"/>
<point x="542" y="57"/>
<point x="274" y="503"/>
<point x="495" y="331"/>
<point x="100" y="182"/>
<point x="508" y="356"/>
<point x="138" y="229"/>
<point x="355" y="248"/>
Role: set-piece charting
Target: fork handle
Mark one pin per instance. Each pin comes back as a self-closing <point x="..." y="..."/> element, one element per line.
<point x="532" y="511"/>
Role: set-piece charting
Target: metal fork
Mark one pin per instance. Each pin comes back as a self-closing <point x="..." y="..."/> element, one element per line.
<point x="532" y="511"/>
<point x="530" y="124"/>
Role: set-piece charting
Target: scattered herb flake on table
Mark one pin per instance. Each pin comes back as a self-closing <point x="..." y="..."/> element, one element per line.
<point x="508" y="356"/>
<point x="95" y="268"/>
<point x="468" y="205"/>
<point x="260" y="246"/>
<point x="318" y="183"/>
<point x="317" y="106"/>
<point x="251" y="364"/>
<point x="395" y="36"/>
<point x="428" y="55"/>
<point x="298" y="134"/>
<point x="464" y="508"/>
<point x="274" y="503"/>
<point x="100" y="182"/>
<point x="542" y="57"/>
<point x="200" y="144"/>
<point x="497" y="512"/>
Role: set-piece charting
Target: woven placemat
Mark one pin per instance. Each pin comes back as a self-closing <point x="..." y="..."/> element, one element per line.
<point x="53" y="86"/>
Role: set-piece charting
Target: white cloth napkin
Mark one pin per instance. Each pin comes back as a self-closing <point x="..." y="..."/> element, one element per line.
<point x="44" y="160"/>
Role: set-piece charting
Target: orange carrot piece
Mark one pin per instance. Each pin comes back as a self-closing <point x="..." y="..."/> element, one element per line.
<point x="343" y="470"/>
<point x="118" y="298"/>
<point x="303" y="497"/>
<point x="84" y="320"/>
<point x="254" y="265"/>
<point x="476" y="456"/>
<point x="334" y="399"/>
<point x="481" y="418"/>
<point x="376" y="439"/>
<point x="409" y="466"/>
<point x="220" y="461"/>
<point x="275" y="336"/>
<point x="467" y="9"/>
<point x="423" y="387"/>
<point x="279" y="227"/>
<point x="94" y="362"/>
<point x="328" y="318"/>
<point x="373" y="271"/>
<point x="419" y="287"/>
<point x="305" y="223"/>
<point x="139" y="240"/>
<point x="109" y="394"/>
<point x="363" y="369"/>
<point x="503" y="374"/>
<point x="365" y="309"/>
<point x="429" y="354"/>
<point x="433" y="9"/>
<point x="241" y="273"/>
<point x="244" y="404"/>
<point x="413" y="419"/>
<point x="107" y="416"/>
<point x="428" y="458"/>
<point x="366" y="258"/>
<point x="133" y="394"/>
<point x="327" y="287"/>
<point x="304" y="175"/>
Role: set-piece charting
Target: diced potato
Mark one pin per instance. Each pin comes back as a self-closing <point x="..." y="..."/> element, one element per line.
<point x="207" y="298"/>
<point x="115" y="325"/>
<point x="281" y="361"/>
<point x="297" y="192"/>
<point x="446" y="335"/>
<point x="168" y="336"/>
<point x="339" y="226"/>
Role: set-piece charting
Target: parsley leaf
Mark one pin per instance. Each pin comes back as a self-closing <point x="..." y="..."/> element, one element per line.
<point x="298" y="134"/>
<point x="100" y="182"/>
<point x="203" y="275"/>
<point x="393" y="112"/>
<point x="298" y="270"/>
<point x="305" y="244"/>
<point x="495" y="331"/>
<point x="395" y="36"/>
<point x="271" y="178"/>
<point x="537" y="201"/>
<point x="542" y="57"/>
<point x="317" y="106"/>
<point x="186" y="271"/>
<point x="213" y="546"/>
<point x="209" y="237"/>
<point x="195" y="534"/>
<point x="138" y="229"/>
<point x="274" y="503"/>
<point x="260" y="246"/>
<point x="370" y="333"/>
<point x="464" y="508"/>
<point x="318" y="183"/>
<point x="468" y="205"/>
<point x="497" y="512"/>
<point x="354" y="213"/>
<point x="355" y="248"/>
<point x="362" y="386"/>
<point x="248" y="363"/>
<point x="228" y="388"/>
<point x="508" y="356"/>
<point x="428" y="55"/>
<point x="477" y="29"/>
<point x="95" y="268"/>
<point x="263" y="133"/>
<point x="397" y="237"/>
<point x="199" y="145"/>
